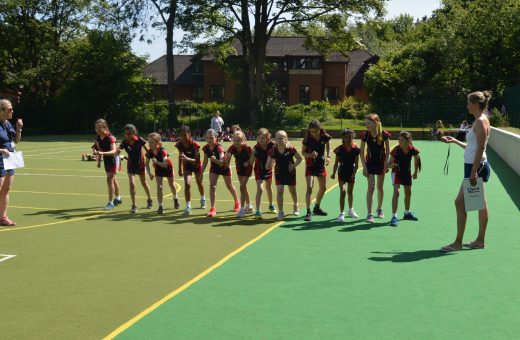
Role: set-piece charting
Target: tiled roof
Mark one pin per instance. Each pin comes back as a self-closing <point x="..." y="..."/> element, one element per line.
<point x="359" y="61"/>
<point x="183" y="68"/>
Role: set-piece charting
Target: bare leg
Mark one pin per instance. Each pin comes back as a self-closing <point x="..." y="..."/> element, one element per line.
<point x="213" y="178"/>
<point x="110" y="185"/>
<point x="187" y="187"/>
<point x="380" y="190"/>
<point x="370" y="192"/>
<point x="322" y="181"/>
<point x="231" y="187"/>
<point x="159" y="182"/>
<point x="131" y="180"/>
<point x="308" y="194"/>
<point x="395" y="198"/>
<point x="407" y="197"/>
<point x="116" y="186"/>
<point x="259" y="192"/>
<point x="171" y="183"/>
<point x="350" y="192"/>
<point x="269" y="190"/>
<point x="244" y="195"/>
<point x="461" y="221"/>
<point x="294" y="195"/>
<point x="198" y="179"/>
<point x="342" y="194"/>
<point x="483" y="216"/>
<point x="5" y="185"/>
<point x="145" y="185"/>
<point x="279" y="196"/>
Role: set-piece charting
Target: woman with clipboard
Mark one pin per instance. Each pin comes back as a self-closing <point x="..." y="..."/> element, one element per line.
<point x="475" y="165"/>
<point x="8" y="137"/>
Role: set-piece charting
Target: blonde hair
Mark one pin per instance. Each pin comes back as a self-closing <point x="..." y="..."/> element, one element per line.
<point x="212" y="132"/>
<point x="283" y="134"/>
<point x="240" y="134"/>
<point x="379" y="127"/>
<point x="156" y="137"/>
<point x="265" y="132"/>
<point x="480" y="97"/>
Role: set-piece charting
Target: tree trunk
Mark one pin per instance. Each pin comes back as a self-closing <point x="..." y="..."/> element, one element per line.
<point x="170" y="24"/>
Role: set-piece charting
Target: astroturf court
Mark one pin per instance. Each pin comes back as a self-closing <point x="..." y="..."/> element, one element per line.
<point x="93" y="274"/>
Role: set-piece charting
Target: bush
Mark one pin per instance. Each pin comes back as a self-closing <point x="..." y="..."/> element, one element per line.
<point x="352" y="108"/>
<point x="498" y="119"/>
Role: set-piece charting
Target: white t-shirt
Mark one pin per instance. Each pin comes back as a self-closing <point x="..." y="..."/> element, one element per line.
<point x="217" y="123"/>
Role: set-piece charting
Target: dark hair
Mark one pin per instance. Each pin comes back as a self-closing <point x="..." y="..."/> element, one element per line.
<point x="346" y="132"/>
<point x="131" y="128"/>
<point x="315" y="124"/>
<point x="185" y="129"/>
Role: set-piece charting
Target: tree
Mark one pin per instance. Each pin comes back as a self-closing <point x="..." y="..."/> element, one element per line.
<point x="253" y="22"/>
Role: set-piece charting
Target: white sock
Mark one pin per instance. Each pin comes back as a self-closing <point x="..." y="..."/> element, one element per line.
<point x="118" y="198"/>
<point x="342" y="213"/>
<point x="350" y="209"/>
<point x="394" y="215"/>
<point x="203" y="197"/>
<point x="176" y="196"/>
<point x="407" y="211"/>
<point x="188" y="204"/>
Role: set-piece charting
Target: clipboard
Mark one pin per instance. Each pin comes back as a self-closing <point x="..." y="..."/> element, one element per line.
<point x="14" y="161"/>
<point x="473" y="195"/>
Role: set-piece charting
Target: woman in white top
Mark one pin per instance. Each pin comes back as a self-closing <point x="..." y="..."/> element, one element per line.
<point x="475" y="165"/>
<point x="217" y="123"/>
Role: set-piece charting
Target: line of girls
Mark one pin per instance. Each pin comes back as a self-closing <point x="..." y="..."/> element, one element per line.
<point x="261" y="159"/>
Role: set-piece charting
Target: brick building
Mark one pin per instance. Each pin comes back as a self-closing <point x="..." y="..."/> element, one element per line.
<point x="301" y="75"/>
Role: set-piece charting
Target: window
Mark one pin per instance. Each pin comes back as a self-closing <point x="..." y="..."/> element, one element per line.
<point x="330" y="93"/>
<point x="198" y="93"/>
<point x="216" y="91"/>
<point x="307" y="63"/>
<point x="305" y="94"/>
<point x="197" y="67"/>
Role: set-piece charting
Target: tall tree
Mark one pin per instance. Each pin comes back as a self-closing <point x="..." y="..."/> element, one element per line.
<point x="254" y="21"/>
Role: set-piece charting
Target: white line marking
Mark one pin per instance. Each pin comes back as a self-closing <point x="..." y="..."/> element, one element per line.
<point x="4" y="257"/>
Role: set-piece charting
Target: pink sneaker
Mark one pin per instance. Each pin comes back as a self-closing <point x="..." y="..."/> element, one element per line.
<point x="237" y="207"/>
<point x="6" y="222"/>
<point x="212" y="212"/>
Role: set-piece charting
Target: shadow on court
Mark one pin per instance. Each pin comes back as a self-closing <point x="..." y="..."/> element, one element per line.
<point x="506" y="176"/>
<point x="408" y="256"/>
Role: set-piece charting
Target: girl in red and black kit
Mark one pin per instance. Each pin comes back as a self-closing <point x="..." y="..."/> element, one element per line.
<point x="283" y="155"/>
<point x="190" y="165"/>
<point x="214" y="152"/>
<point x="259" y="157"/>
<point x="163" y="168"/>
<point x="401" y="164"/>
<point x="106" y="146"/>
<point x="375" y="161"/>
<point x="316" y="150"/>
<point x="134" y="147"/>
<point x="244" y="166"/>
<point x="347" y="157"/>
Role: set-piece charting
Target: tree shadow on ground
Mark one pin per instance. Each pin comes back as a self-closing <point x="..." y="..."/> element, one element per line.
<point x="507" y="176"/>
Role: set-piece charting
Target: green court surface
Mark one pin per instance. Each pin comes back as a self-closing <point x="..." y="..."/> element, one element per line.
<point x="92" y="273"/>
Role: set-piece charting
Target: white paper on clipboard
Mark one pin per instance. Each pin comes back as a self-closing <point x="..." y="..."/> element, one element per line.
<point x="473" y="195"/>
<point x="14" y="161"/>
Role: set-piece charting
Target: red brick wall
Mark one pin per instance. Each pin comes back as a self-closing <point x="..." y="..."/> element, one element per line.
<point x="335" y="75"/>
<point x="183" y="92"/>
<point x="361" y="94"/>
<point x="213" y="75"/>
<point x="297" y="80"/>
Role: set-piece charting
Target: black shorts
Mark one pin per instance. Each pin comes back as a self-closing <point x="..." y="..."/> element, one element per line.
<point x="401" y="179"/>
<point x="347" y="177"/>
<point x="285" y="178"/>
<point x="376" y="168"/>
<point x="112" y="164"/>
<point x="483" y="171"/>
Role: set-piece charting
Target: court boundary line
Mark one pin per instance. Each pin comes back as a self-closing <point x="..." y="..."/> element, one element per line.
<point x="51" y="223"/>
<point x="196" y="279"/>
<point x="6" y="257"/>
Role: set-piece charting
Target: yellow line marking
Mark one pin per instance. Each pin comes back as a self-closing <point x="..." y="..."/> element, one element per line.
<point x="32" y="208"/>
<point x="82" y="170"/>
<point x="197" y="278"/>
<point x="48" y="224"/>
<point x="188" y="284"/>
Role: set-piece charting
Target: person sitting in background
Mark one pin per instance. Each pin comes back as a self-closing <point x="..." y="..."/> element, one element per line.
<point x="436" y="130"/>
<point x="463" y="129"/>
<point x="249" y="134"/>
<point x="226" y="135"/>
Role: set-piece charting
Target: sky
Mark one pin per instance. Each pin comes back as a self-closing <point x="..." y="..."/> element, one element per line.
<point x="416" y="8"/>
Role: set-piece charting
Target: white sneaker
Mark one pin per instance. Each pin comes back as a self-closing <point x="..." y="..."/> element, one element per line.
<point x="280" y="215"/>
<point x="296" y="211"/>
<point x="187" y="211"/>
<point x="241" y="213"/>
<point x="341" y="218"/>
<point x="352" y="213"/>
<point x="249" y="209"/>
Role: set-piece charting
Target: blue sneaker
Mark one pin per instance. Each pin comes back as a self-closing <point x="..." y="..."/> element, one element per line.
<point x="393" y="222"/>
<point x="109" y="206"/>
<point x="410" y="216"/>
<point x="258" y="215"/>
<point x="118" y="201"/>
<point x="272" y="208"/>
<point x="203" y="203"/>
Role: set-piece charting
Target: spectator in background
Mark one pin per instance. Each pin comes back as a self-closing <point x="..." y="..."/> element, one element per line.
<point x="436" y="130"/>
<point x="463" y="129"/>
<point x="226" y="135"/>
<point x="217" y="123"/>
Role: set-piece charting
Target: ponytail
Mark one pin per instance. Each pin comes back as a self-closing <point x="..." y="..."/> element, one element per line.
<point x="379" y="133"/>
